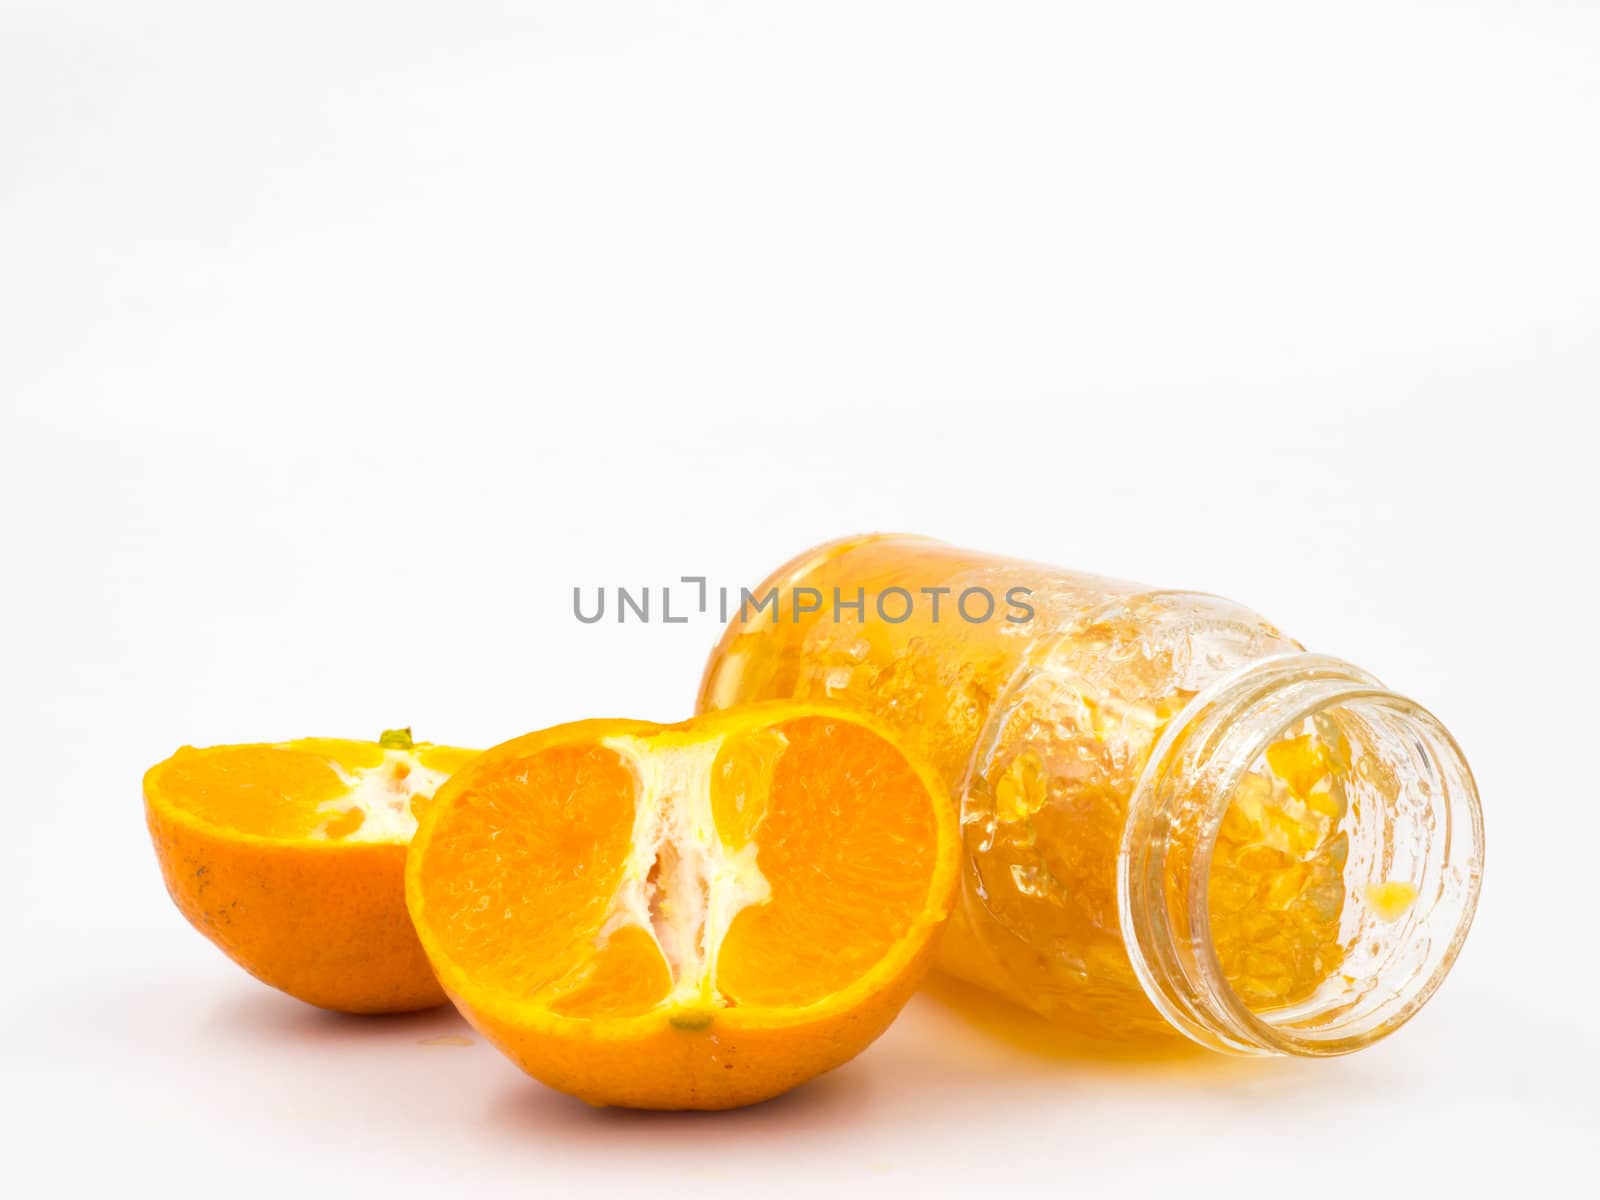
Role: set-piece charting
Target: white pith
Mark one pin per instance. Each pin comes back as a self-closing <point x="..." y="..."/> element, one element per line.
<point x="693" y="902"/>
<point x="383" y="794"/>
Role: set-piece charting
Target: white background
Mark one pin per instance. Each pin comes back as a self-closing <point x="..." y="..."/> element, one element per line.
<point x="338" y="342"/>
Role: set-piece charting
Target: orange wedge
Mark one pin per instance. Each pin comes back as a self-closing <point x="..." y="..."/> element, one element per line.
<point x="685" y="916"/>
<point x="291" y="858"/>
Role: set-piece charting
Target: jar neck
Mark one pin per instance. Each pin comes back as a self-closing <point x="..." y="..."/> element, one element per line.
<point x="1410" y="813"/>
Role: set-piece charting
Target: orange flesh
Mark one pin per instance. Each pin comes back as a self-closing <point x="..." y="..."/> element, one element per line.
<point x="520" y="884"/>
<point x="297" y="790"/>
<point x="847" y="878"/>
<point x="526" y="883"/>
<point x="270" y="791"/>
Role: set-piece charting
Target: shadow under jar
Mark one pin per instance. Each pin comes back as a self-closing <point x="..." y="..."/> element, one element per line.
<point x="1174" y="817"/>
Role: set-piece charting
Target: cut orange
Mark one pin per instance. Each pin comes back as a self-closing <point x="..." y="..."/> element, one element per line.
<point x="685" y="916"/>
<point x="291" y="858"/>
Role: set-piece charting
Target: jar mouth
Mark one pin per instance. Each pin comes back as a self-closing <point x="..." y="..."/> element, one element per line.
<point x="1304" y="771"/>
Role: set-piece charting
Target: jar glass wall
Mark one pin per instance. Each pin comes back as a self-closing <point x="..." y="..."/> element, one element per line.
<point x="1174" y="817"/>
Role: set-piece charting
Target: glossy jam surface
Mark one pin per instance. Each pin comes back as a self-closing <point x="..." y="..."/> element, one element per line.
<point x="1041" y="727"/>
<point x="1276" y="886"/>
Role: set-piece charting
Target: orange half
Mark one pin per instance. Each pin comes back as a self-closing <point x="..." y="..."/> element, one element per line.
<point x="291" y="858"/>
<point x="688" y="916"/>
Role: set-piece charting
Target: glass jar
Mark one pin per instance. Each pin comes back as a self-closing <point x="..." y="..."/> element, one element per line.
<point x="1174" y="816"/>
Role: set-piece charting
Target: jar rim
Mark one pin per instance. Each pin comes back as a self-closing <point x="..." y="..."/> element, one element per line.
<point x="1189" y="781"/>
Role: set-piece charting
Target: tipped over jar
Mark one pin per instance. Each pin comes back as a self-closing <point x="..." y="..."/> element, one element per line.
<point x="1174" y="817"/>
